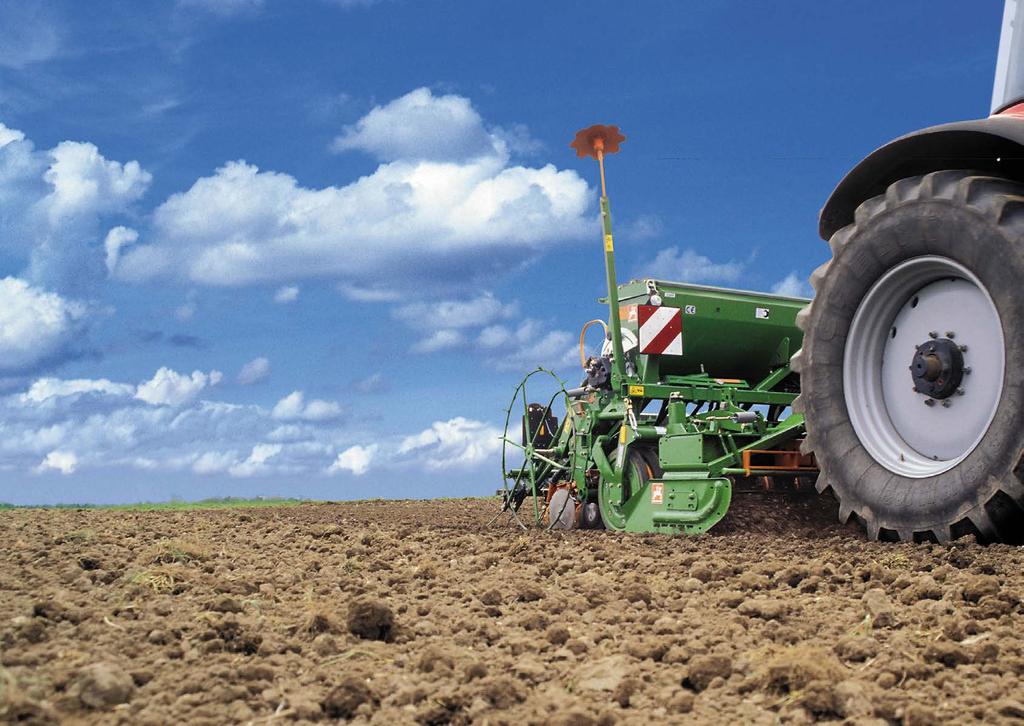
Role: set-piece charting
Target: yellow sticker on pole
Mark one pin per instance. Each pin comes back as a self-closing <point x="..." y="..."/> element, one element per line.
<point x="636" y="390"/>
<point x="608" y="245"/>
<point x="622" y="435"/>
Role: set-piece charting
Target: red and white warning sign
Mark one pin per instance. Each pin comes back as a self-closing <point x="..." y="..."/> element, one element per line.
<point x="661" y="330"/>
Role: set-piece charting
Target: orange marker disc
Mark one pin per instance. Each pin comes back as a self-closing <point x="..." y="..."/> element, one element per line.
<point x="596" y="138"/>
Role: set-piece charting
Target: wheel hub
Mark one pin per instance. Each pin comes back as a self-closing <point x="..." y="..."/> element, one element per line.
<point x="937" y="368"/>
<point x="914" y="301"/>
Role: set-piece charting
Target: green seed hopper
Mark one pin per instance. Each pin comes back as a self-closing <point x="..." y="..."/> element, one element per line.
<point x="732" y="333"/>
<point x="691" y="390"/>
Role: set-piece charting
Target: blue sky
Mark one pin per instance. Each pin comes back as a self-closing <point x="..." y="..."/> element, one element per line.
<point x="257" y="247"/>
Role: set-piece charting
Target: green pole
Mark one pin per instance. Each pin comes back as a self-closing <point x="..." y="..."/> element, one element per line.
<point x="614" y="323"/>
<point x="594" y="142"/>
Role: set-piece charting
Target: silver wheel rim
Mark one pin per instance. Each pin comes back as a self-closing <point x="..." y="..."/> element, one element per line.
<point x="915" y="301"/>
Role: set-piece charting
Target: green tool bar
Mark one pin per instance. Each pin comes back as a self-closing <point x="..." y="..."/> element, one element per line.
<point x="717" y="393"/>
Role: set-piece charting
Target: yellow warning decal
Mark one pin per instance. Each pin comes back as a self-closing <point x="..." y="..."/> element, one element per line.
<point x="622" y="435"/>
<point x="636" y="390"/>
<point x="608" y="245"/>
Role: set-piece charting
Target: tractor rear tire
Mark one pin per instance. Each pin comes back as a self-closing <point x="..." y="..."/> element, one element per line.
<point x="930" y="274"/>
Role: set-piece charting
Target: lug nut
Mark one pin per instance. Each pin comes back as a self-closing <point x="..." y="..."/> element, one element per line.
<point x="967" y="369"/>
<point x="959" y="391"/>
<point x="963" y="348"/>
<point x="933" y="334"/>
<point x="946" y="403"/>
<point x="950" y="334"/>
<point x="929" y="402"/>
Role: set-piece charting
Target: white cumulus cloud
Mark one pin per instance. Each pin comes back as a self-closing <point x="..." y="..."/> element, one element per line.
<point x="9" y="135"/>
<point x="170" y="388"/>
<point x="45" y="388"/>
<point x="455" y="443"/>
<point x="83" y="182"/>
<point x="294" y="407"/>
<point x="420" y="125"/>
<point x="528" y="345"/>
<point x="373" y="383"/>
<point x="117" y="239"/>
<point x="35" y="325"/>
<point x="419" y="215"/>
<point x="286" y="294"/>
<point x="439" y="340"/>
<point x="254" y="371"/>
<point x="484" y="324"/>
<point x="214" y="462"/>
<point x="793" y="285"/>
<point x="356" y="459"/>
<point x="63" y="461"/>
<point x="256" y="463"/>
<point x="690" y="266"/>
<point x="447" y="314"/>
<point x="54" y="205"/>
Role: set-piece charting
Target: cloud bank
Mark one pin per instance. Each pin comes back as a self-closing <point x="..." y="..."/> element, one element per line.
<point x="65" y="426"/>
<point x="446" y="206"/>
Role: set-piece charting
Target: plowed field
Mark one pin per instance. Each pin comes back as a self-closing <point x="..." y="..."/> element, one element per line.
<point x="415" y="612"/>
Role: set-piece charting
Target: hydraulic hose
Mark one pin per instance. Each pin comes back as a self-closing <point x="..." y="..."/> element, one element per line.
<point x="583" y="333"/>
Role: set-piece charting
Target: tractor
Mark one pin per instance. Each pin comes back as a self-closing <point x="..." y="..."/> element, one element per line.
<point x="895" y="388"/>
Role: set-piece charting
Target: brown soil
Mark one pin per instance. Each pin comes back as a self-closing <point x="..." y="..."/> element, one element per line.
<point x="413" y="612"/>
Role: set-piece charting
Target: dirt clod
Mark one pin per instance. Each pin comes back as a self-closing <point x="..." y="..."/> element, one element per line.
<point x="979" y="586"/>
<point x="705" y="668"/>
<point x="491" y="598"/>
<point x="879" y="607"/>
<point x="371" y="620"/>
<point x="226" y="605"/>
<point x="857" y="648"/>
<point x="808" y="675"/>
<point x="103" y="685"/>
<point x="763" y="607"/>
<point x="347" y="696"/>
<point x="557" y="634"/>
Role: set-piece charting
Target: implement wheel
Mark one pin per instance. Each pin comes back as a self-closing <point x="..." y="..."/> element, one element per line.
<point x="912" y="358"/>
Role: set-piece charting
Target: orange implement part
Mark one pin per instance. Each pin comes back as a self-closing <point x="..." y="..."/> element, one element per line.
<point x="759" y="460"/>
<point x="571" y="486"/>
<point x="597" y="138"/>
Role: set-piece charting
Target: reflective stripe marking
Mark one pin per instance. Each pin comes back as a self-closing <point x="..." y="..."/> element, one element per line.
<point x="661" y="330"/>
